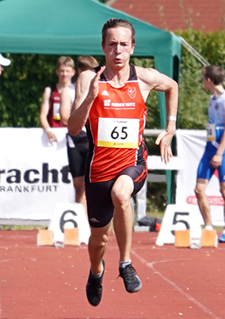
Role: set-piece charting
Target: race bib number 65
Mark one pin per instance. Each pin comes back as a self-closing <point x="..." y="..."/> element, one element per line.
<point x="118" y="133"/>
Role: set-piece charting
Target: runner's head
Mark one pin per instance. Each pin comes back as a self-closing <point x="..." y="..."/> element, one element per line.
<point x="116" y="23"/>
<point x="65" y="69"/>
<point x="213" y="72"/>
<point x="86" y="62"/>
<point x="65" y="60"/>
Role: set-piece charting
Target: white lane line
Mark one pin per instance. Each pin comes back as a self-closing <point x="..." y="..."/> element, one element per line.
<point x="170" y="282"/>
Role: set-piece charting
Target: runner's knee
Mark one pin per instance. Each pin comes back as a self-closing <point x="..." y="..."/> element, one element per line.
<point x="98" y="241"/>
<point x="120" y="198"/>
<point x="99" y="237"/>
<point x="199" y="192"/>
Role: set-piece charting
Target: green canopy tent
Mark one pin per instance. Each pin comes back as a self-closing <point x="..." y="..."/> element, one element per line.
<point x="73" y="27"/>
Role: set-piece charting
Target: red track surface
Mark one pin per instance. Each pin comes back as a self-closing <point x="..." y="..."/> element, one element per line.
<point x="49" y="282"/>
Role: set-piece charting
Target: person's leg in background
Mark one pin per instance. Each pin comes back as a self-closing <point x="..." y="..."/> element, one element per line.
<point x="141" y="202"/>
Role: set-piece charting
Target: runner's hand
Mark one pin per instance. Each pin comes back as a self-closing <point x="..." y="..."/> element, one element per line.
<point x="51" y="136"/>
<point x="216" y="160"/>
<point x="164" y="140"/>
<point x="93" y="89"/>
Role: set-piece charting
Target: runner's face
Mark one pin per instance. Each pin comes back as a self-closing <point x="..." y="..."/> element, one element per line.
<point x="65" y="73"/>
<point x="118" y="46"/>
<point x="206" y="83"/>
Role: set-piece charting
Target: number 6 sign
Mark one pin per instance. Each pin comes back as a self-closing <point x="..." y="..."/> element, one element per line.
<point x="176" y="218"/>
<point x="68" y="216"/>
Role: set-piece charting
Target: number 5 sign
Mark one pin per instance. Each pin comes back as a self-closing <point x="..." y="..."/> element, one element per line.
<point x="176" y="218"/>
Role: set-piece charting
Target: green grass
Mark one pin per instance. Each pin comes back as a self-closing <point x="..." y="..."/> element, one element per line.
<point x="158" y="214"/>
<point x="21" y="227"/>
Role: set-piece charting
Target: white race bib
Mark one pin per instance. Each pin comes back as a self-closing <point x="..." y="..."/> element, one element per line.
<point x="118" y="133"/>
<point x="211" y="132"/>
<point x="56" y="114"/>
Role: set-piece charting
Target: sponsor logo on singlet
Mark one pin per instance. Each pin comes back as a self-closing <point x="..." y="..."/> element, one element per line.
<point x="105" y="93"/>
<point x="132" y="92"/>
<point x="119" y="105"/>
<point x="107" y="102"/>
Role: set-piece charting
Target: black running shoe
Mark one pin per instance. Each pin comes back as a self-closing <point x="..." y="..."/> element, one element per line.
<point x="94" y="288"/>
<point x="131" y="281"/>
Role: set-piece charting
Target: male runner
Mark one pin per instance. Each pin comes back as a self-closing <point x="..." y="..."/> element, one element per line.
<point x="77" y="146"/>
<point x="213" y="157"/>
<point x="111" y="103"/>
<point x="49" y="114"/>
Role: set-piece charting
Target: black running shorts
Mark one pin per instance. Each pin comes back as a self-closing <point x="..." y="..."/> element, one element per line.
<point x="99" y="202"/>
<point x="77" y="151"/>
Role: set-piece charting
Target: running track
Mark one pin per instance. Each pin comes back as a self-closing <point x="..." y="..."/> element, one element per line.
<point x="49" y="282"/>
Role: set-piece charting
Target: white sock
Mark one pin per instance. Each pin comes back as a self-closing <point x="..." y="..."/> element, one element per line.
<point x="123" y="264"/>
<point x="209" y="227"/>
<point x="97" y="275"/>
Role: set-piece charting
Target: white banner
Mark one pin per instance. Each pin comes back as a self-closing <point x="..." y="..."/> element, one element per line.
<point x="190" y="146"/>
<point x="34" y="174"/>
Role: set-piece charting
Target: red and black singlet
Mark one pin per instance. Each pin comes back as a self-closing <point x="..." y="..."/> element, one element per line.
<point x="115" y="129"/>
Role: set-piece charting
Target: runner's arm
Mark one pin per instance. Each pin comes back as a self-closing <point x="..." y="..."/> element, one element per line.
<point x="44" y="114"/>
<point x="45" y="108"/>
<point x="171" y="97"/>
<point x="151" y="79"/>
<point x="86" y="92"/>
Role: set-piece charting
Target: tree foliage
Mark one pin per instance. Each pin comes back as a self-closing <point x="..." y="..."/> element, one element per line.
<point x="193" y="99"/>
<point x="21" y="88"/>
<point x="23" y="82"/>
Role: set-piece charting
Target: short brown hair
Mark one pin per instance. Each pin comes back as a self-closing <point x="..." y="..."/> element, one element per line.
<point x="65" y="60"/>
<point x="115" y="23"/>
<point x="215" y="73"/>
<point x="86" y="62"/>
